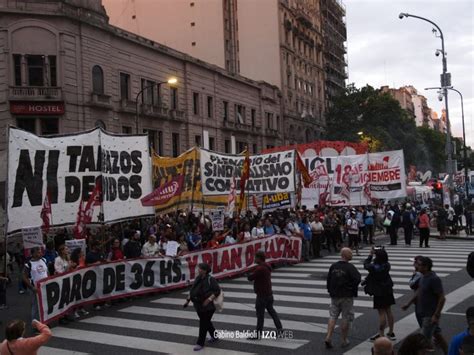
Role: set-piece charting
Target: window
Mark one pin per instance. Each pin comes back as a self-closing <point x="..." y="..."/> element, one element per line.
<point x="17" y="69"/>
<point x="159" y="145"/>
<point x="241" y="146"/>
<point x="195" y="103"/>
<point x="27" y="124"/>
<point x="269" y="117"/>
<point x="212" y="143"/>
<point x="36" y="66"/>
<point x="227" y="146"/>
<point x="174" y="98"/>
<point x="288" y="79"/>
<point x="150" y="93"/>
<point x="126" y="130"/>
<point x="97" y="80"/>
<point x="49" y="126"/>
<point x="252" y="115"/>
<point x="151" y="138"/>
<point x="197" y="141"/>
<point x="254" y="148"/>
<point x="53" y="78"/>
<point x="277" y="122"/>
<point x="210" y="107"/>
<point x="226" y="110"/>
<point x="296" y="83"/>
<point x="124" y="86"/>
<point x="175" y="144"/>
<point x="239" y="114"/>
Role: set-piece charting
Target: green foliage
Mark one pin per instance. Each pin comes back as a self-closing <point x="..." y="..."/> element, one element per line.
<point x="381" y="118"/>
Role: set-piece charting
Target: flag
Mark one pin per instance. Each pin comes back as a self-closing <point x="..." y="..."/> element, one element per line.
<point x="243" y="179"/>
<point x="254" y="202"/>
<point x="46" y="213"/>
<point x="307" y="179"/>
<point x="85" y="214"/>
<point x="231" y="197"/>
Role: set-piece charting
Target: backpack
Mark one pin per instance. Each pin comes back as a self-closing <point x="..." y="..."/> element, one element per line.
<point x="470" y="264"/>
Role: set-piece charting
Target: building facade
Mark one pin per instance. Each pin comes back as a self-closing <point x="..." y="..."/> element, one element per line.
<point x="278" y="41"/>
<point x="66" y="69"/>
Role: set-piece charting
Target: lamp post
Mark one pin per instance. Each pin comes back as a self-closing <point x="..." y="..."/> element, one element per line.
<point x="445" y="82"/>
<point x="466" y="186"/>
<point x="170" y="81"/>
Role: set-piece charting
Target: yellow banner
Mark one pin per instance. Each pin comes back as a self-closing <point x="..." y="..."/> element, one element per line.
<point x="191" y="197"/>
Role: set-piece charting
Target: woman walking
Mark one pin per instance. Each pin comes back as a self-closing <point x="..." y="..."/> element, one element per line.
<point x="380" y="285"/>
<point x="203" y="292"/>
<point x="424" y="227"/>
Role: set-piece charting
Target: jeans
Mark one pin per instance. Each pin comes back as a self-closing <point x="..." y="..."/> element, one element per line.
<point x="428" y="329"/>
<point x="306" y="249"/>
<point x="393" y="231"/>
<point x="316" y="245"/>
<point x="408" y="230"/>
<point x="424" y="236"/>
<point x="369" y="231"/>
<point x="261" y="304"/>
<point x="34" y="307"/>
<point x="205" y="325"/>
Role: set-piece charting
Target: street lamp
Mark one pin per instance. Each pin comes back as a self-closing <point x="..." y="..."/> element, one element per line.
<point x="445" y="82"/>
<point x="171" y="81"/>
<point x="463" y="135"/>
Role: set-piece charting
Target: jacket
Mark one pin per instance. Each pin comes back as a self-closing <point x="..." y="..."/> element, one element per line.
<point x="203" y="288"/>
<point x="343" y="280"/>
<point x="379" y="279"/>
<point x="262" y="280"/>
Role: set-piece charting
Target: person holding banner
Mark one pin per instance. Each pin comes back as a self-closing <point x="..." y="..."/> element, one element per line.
<point x="35" y="269"/>
<point x="204" y="291"/>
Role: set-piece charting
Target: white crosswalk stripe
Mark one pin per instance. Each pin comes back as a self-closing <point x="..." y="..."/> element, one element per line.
<point x="301" y="300"/>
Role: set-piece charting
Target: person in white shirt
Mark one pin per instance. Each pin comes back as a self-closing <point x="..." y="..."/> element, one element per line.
<point x="35" y="269"/>
<point x="150" y="248"/>
<point x="258" y="231"/>
<point x="62" y="262"/>
<point x="318" y="229"/>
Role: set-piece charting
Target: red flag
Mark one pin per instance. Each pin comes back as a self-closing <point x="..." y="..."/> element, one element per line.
<point x="307" y="179"/>
<point x="164" y="193"/>
<point x="85" y="214"/>
<point x="254" y="202"/>
<point x="46" y="213"/>
<point x="243" y="179"/>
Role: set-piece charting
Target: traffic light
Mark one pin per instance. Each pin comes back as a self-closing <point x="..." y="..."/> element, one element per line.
<point x="438" y="187"/>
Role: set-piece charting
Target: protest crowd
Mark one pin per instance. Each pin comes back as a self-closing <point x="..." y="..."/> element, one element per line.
<point x="344" y="230"/>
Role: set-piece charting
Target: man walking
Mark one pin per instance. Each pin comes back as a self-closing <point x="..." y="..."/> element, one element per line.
<point x="457" y="340"/>
<point x="262" y="285"/>
<point x="407" y="224"/>
<point x="430" y="301"/>
<point x="342" y="284"/>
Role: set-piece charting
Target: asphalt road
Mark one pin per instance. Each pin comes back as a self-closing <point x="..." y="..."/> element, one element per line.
<point x="159" y="324"/>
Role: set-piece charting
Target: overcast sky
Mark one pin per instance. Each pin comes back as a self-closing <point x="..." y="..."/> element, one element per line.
<point x="384" y="50"/>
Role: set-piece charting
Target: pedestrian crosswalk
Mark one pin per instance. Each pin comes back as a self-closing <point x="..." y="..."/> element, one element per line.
<point x="161" y="325"/>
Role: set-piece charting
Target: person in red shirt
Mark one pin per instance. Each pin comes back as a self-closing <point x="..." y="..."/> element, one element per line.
<point x="424" y="227"/>
<point x="116" y="252"/>
<point x="262" y="285"/>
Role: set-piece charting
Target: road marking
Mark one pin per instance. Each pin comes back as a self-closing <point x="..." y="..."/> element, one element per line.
<point x="392" y="269"/>
<point x="408" y="324"/>
<point x="225" y="318"/>
<point x="46" y="350"/>
<point x="365" y="272"/>
<point x="396" y="261"/>
<point x="299" y="311"/>
<point x="186" y="330"/>
<point x="134" y="342"/>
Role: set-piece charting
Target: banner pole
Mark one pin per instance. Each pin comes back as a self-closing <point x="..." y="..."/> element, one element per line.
<point x="193" y="184"/>
<point x="5" y="236"/>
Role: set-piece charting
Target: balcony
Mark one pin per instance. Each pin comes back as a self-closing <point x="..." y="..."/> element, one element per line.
<point x="240" y="127"/>
<point x="154" y="110"/>
<point x="177" y="115"/>
<point x="35" y="93"/>
<point x="127" y="106"/>
<point x="271" y="132"/>
<point x="100" y="100"/>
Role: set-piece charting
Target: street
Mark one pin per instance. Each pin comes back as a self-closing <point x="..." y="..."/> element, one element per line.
<point x="159" y="324"/>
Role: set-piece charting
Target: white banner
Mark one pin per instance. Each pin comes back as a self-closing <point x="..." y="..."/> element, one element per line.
<point x="66" y="167"/>
<point x="269" y="173"/>
<point x="58" y="294"/>
<point x="76" y="243"/>
<point x="32" y="237"/>
<point x="383" y="178"/>
<point x="217" y="219"/>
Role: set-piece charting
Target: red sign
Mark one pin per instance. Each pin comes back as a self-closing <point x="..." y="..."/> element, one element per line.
<point x="164" y="193"/>
<point x="36" y="108"/>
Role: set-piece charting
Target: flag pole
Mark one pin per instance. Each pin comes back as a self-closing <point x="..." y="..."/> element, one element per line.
<point x="5" y="235"/>
<point x="193" y="179"/>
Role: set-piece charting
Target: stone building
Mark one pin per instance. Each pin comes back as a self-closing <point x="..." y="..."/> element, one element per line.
<point x="278" y="41"/>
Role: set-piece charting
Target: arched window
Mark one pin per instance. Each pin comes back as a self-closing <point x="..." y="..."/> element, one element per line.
<point x="97" y="80"/>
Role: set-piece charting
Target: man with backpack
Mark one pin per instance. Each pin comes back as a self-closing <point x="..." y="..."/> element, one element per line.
<point x="35" y="269"/>
<point x="342" y="284"/>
